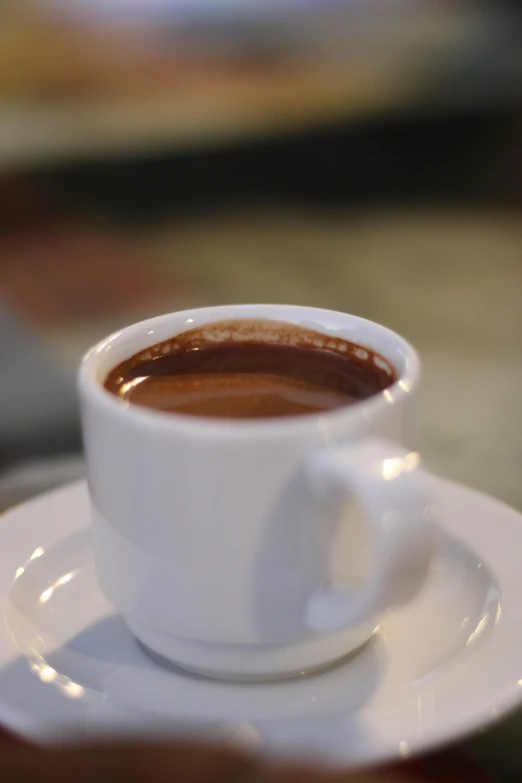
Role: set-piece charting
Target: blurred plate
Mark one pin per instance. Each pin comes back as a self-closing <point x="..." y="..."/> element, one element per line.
<point x="71" y="91"/>
<point x="203" y="9"/>
<point x="31" y="478"/>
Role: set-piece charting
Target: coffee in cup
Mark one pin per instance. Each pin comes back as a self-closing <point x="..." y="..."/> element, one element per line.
<point x="250" y="369"/>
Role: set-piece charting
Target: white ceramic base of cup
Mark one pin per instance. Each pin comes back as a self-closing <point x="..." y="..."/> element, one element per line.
<point x="249" y="663"/>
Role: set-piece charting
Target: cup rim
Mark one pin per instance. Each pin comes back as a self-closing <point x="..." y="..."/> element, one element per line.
<point x="92" y="390"/>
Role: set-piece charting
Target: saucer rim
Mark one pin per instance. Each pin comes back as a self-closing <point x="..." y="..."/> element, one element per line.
<point x="107" y="718"/>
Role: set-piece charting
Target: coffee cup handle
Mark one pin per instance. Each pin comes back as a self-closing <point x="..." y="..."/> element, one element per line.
<point x="392" y="492"/>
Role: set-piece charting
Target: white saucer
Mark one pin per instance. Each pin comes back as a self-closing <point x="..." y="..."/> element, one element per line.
<point x="445" y="666"/>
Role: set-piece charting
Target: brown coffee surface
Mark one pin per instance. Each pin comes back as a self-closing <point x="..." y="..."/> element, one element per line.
<point x="250" y="369"/>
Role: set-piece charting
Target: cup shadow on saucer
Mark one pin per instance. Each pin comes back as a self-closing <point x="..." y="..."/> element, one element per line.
<point x="105" y="657"/>
<point x="101" y="682"/>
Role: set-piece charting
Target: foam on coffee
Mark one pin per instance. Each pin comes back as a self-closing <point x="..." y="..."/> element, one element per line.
<point x="250" y="369"/>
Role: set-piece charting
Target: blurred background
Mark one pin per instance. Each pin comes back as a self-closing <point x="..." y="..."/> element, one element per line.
<point x="362" y="156"/>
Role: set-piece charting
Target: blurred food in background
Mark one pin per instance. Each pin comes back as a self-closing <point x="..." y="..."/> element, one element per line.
<point x="80" y="78"/>
<point x="162" y="154"/>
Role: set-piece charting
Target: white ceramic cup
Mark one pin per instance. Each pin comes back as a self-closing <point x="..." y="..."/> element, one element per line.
<point x="252" y="549"/>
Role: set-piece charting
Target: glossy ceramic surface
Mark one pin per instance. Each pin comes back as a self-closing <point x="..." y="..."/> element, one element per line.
<point x="444" y="666"/>
<point x="257" y="548"/>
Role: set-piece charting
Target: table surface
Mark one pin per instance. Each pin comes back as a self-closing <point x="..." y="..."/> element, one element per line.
<point x="469" y="332"/>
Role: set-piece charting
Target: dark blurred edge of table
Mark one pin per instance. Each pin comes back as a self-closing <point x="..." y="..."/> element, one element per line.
<point x="447" y="767"/>
<point x="472" y="159"/>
